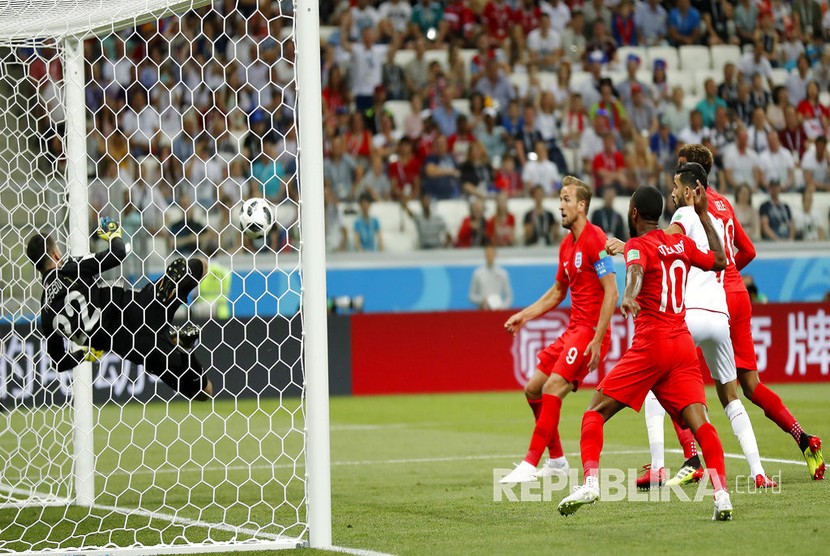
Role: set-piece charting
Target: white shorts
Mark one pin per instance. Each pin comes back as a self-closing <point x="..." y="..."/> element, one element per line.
<point x="710" y="331"/>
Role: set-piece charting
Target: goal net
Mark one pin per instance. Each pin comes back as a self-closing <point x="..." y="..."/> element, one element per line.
<point x="163" y="115"/>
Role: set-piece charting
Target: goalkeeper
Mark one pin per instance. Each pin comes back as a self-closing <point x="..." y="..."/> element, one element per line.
<point x="79" y="308"/>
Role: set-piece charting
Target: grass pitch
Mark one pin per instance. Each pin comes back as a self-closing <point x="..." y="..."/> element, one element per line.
<point x="414" y="475"/>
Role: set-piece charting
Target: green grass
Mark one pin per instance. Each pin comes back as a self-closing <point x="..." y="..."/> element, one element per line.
<point x="414" y="475"/>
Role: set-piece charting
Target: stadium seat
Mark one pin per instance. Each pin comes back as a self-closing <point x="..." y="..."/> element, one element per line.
<point x="439" y="56"/>
<point x="519" y="81"/>
<point x="404" y="56"/>
<point x="686" y="79"/>
<point x="617" y="77"/>
<point x="824" y="98"/>
<point x="578" y="78"/>
<point x="694" y="57"/>
<point x="454" y="211"/>
<point x="547" y="79"/>
<point x="467" y="55"/>
<point x="667" y="53"/>
<point x="723" y="53"/>
<point x="690" y="100"/>
<point x="400" y="109"/>
<point x="779" y="76"/>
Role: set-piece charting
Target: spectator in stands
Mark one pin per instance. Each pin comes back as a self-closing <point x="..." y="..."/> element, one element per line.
<point x="741" y="163"/>
<point x="544" y="45"/>
<point x="797" y="80"/>
<point x="742" y="107"/>
<point x="723" y="132"/>
<point x="405" y="172"/>
<point x="341" y="172"/>
<point x="476" y="116"/>
<point x="445" y="115"/>
<point x="641" y="163"/>
<point x="775" y="110"/>
<point x="676" y="114"/>
<point x="663" y="145"/>
<point x="473" y="230"/>
<point x="358" y="139"/>
<point x="267" y="176"/>
<point x="632" y="66"/>
<point x="492" y="136"/>
<point x="336" y="235"/>
<point x="539" y="170"/>
<point x="395" y="16"/>
<point x="609" y="103"/>
<point x="512" y="120"/>
<point x="746" y="20"/>
<point x="508" y="178"/>
<point x="385" y="141"/>
<point x="574" y="123"/>
<point x="793" y="137"/>
<point x="591" y="143"/>
<point x="559" y="12"/>
<point x="746" y="213"/>
<point x="589" y="90"/>
<point x="718" y="19"/>
<point x="459" y="142"/>
<point x="651" y="23"/>
<point x="728" y="88"/>
<point x="540" y="225"/>
<point x="495" y="85"/>
<point x="807" y="19"/>
<point x="602" y="40"/>
<point x="623" y="27"/>
<point x="413" y="123"/>
<point x="490" y="286"/>
<point x="660" y="90"/>
<point x="416" y="71"/>
<point x="461" y="20"/>
<point x="367" y="234"/>
<point x="777" y="164"/>
<point x="441" y="177"/>
<point x="336" y="93"/>
<point x="375" y="182"/>
<point x="807" y="222"/>
<point x="501" y="227"/>
<point x="431" y="227"/>
<point x="393" y="79"/>
<point x="709" y="103"/>
<point x="759" y="96"/>
<point x="816" y="166"/>
<point x="140" y="122"/>
<point x="427" y="18"/>
<point x="641" y="113"/>
<point x="574" y="36"/>
<point x="607" y="218"/>
<point x="476" y="172"/>
<point x="362" y="15"/>
<point x="695" y="131"/>
<point x="790" y="48"/>
<point x="776" y="217"/>
<point x="188" y="231"/>
<point x="497" y="18"/>
<point x="821" y="70"/>
<point x="596" y="10"/>
<point x="752" y="288"/>
<point x="608" y="167"/>
<point x="684" y="24"/>
<point x="759" y="130"/>
<point x="366" y="63"/>
<point x="814" y="116"/>
<point x="755" y="62"/>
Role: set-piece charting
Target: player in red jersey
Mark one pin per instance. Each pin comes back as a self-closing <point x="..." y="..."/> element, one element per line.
<point x="588" y="271"/>
<point x="739" y="253"/>
<point x="662" y="357"/>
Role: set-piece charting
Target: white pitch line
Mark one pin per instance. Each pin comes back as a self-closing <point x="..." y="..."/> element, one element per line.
<point x="356" y="551"/>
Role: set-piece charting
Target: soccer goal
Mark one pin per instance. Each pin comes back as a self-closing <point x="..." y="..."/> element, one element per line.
<point x="165" y="115"/>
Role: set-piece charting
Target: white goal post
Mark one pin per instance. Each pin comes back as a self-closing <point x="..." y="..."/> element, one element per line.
<point x="106" y="459"/>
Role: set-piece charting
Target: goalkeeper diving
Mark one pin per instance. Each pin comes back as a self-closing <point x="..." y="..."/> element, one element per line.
<point x="82" y="316"/>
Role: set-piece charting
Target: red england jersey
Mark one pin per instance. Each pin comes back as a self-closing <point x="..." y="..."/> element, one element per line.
<point x="581" y="264"/>
<point x="665" y="260"/>
<point x="736" y="243"/>
<point x="498" y="18"/>
<point x="528" y="18"/>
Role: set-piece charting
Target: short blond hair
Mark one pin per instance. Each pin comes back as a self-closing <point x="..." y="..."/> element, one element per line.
<point x="583" y="190"/>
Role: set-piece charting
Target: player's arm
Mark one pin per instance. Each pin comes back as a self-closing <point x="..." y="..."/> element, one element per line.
<point x="633" y="285"/>
<point x="702" y="210"/>
<point x="63" y="359"/>
<point x="111" y="257"/>
<point x="549" y="300"/>
<point x="609" y="302"/>
<point x="745" y="250"/>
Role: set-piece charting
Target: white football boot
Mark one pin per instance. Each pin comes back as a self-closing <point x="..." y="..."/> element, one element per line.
<point x="557" y="467"/>
<point x="588" y="493"/>
<point x="723" y="507"/>
<point x="524" y="473"/>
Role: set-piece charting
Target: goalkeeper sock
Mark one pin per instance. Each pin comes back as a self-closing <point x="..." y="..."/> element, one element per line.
<point x="655" y="415"/>
<point x="590" y="443"/>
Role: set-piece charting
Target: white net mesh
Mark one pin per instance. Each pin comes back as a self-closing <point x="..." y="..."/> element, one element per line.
<point x="188" y="113"/>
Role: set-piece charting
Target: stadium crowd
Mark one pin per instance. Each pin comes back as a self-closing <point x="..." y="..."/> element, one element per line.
<point x="485" y="101"/>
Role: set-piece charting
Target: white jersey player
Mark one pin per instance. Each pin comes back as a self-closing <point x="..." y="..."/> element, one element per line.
<point x="707" y="316"/>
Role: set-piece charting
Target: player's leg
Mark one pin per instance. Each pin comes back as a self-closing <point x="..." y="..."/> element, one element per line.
<point x="180" y="278"/>
<point x="757" y="392"/>
<point x="720" y="358"/>
<point x="533" y="391"/>
<point x="691" y="471"/>
<point x="655" y="472"/>
<point x="178" y="369"/>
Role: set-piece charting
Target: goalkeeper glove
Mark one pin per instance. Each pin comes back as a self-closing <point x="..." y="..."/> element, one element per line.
<point x="109" y="229"/>
<point x="92" y="355"/>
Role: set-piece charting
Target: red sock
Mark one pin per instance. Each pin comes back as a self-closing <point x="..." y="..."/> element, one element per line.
<point x="535" y="407"/>
<point x="590" y="442"/>
<point x="686" y="439"/>
<point x="775" y="410"/>
<point x="547" y="427"/>
<point x="712" y="450"/>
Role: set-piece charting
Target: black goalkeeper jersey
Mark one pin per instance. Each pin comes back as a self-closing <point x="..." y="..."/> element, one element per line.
<point x="77" y="308"/>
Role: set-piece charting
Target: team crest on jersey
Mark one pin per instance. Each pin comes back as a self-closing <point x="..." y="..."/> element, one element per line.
<point x="578" y="259"/>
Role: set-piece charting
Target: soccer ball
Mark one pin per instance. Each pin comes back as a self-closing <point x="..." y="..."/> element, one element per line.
<point x="256" y="218"/>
